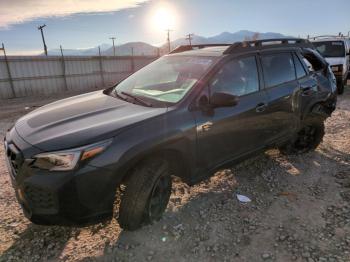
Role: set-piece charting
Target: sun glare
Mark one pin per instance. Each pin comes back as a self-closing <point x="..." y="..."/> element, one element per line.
<point x="163" y="18"/>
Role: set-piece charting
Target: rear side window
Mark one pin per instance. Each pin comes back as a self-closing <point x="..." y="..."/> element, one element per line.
<point x="278" y="68"/>
<point x="299" y="67"/>
<point x="313" y="60"/>
<point x="238" y="77"/>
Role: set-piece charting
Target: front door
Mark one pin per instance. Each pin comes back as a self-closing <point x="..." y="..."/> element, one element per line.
<point x="228" y="132"/>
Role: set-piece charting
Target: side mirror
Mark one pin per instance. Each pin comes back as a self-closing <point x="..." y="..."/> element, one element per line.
<point x="219" y="99"/>
<point x="108" y="90"/>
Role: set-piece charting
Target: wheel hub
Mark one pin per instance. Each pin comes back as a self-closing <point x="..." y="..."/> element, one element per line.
<point x="159" y="197"/>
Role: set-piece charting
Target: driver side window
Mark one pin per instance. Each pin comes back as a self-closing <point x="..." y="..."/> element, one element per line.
<point x="238" y="77"/>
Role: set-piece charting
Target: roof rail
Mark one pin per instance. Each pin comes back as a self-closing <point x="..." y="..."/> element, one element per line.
<point x="328" y="36"/>
<point x="246" y="45"/>
<point x="268" y="43"/>
<point x="183" y="48"/>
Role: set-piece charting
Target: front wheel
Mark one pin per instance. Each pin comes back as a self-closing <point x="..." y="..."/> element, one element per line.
<point x="146" y="194"/>
<point x="307" y="139"/>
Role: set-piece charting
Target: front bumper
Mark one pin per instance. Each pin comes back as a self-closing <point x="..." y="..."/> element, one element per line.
<point x="77" y="197"/>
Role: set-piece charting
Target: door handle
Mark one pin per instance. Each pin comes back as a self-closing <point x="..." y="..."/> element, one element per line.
<point x="205" y="126"/>
<point x="260" y="107"/>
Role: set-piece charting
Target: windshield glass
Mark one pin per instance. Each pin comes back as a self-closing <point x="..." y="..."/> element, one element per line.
<point x="330" y="48"/>
<point x="167" y="79"/>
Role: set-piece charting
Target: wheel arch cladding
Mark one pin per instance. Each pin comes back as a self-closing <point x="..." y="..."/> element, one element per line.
<point x="175" y="153"/>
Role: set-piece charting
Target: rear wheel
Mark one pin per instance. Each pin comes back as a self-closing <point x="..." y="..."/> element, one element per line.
<point x="146" y="194"/>
<point x="307" y="139"/>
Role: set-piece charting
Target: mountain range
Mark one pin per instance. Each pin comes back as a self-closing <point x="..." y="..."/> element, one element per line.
<point x="141" y="48"/>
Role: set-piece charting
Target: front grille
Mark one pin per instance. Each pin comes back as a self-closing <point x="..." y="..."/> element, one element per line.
<point x="14" y="156"/>
<point x="39" y="197"/>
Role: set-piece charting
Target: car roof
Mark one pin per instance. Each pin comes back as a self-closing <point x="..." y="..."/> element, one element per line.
<point x="220" y="51"/>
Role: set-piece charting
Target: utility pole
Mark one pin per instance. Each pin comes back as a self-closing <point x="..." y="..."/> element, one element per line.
<point x="8" y="71"/>
<point x="189" y="37"/>
<point x="42" y="36"/>
<point x="63" y="63"/>
<point x="168" y="39"/>
<point x="101" y="66"/>
<point x="113" y="38"/>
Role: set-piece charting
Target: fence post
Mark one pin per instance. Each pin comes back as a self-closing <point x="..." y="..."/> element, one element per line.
<point x="101" y="68"/>
<point x="9" y="72"/>
<point x="132" y="60"/>
<point x="64" y="69"/>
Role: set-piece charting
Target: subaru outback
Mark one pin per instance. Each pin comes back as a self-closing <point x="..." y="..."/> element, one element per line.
<point x="185" y="115"/>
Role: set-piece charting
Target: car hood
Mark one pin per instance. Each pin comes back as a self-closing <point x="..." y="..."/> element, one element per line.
<point x="80" y="120"/>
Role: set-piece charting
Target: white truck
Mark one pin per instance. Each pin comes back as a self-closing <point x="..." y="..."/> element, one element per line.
<point x="336" y="51"/>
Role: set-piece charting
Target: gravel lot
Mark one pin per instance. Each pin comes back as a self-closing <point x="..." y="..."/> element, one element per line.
<point x="299" y="211"/>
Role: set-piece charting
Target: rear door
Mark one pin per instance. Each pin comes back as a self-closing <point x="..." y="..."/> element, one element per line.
<point x="307" y="82"/>
<point x="281" y="87"/>
<point x="229" y="132"/>
<point x="315" y="85"/>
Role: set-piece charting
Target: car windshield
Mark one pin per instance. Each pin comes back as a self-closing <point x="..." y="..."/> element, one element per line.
<point x="330" y="48"/>
<point x="167" y="79"/>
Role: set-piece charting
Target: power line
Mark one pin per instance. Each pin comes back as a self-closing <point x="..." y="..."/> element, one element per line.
<point x="42" y="36"/>
<point x="189" y="37"/>
<point x="113" y="38"/>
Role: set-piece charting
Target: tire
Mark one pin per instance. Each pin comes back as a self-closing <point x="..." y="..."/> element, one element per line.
<point x="146" y="195"/>
<point x="307" y="139"/>
<point x="340" y="87"/>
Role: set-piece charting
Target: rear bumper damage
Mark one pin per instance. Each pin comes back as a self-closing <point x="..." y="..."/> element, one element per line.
<point x="325" y="109"/>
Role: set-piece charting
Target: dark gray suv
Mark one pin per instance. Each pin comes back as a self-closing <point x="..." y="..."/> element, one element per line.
<point x="185" y="115"/>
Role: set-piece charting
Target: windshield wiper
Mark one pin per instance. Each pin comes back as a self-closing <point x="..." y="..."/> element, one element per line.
<point x="136" y="98"/>
<point x="119" y="96"/>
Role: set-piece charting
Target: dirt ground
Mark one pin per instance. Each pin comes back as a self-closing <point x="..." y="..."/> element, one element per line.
<point x="299" y="211"/>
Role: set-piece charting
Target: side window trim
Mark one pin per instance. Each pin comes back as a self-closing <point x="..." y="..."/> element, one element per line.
<point x="259" y="74"/>
<point x="300" y="57"/>
<point x="295" y="57"/>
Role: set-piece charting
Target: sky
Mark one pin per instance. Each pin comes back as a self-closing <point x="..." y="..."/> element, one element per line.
<point x="88" y="23"/>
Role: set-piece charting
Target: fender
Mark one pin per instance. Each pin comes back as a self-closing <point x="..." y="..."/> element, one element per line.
<point x="175" y="139"/>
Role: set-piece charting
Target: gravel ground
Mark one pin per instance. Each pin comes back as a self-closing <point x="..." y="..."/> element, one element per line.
<point x="299" y="211"/>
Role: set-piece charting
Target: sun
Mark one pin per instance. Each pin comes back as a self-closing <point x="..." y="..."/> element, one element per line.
<point x="163" y="17"/>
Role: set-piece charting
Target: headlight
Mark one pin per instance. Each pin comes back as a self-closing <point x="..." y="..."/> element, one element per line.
<point x="68" y="160"/>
